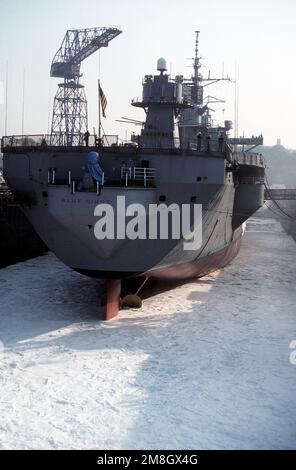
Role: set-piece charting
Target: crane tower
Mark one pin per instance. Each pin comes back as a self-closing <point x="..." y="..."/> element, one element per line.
<point x="69" y="119"/>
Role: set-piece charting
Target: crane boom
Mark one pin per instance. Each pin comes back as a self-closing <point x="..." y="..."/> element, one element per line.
<point x="69" y="117"/>
<point x="77" y="45"/>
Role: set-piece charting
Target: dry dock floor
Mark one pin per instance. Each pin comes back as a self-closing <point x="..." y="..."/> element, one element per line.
<point x="203" y="366"/>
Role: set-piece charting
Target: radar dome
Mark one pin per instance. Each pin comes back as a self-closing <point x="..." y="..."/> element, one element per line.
<point x="161" y="64"/>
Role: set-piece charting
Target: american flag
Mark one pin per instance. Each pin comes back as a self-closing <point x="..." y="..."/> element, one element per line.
<point x="103" y="99"/>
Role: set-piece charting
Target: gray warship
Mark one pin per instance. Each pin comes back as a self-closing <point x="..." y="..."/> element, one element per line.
<point x="179" y="157"/>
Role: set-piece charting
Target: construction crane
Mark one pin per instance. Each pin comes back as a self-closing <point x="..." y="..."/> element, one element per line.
<point x="69" y="119"/>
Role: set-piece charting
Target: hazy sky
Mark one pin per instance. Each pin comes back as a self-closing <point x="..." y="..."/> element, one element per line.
<point x="260" y="35"/>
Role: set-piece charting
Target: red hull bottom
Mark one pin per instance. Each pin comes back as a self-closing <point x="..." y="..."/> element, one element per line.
<point x="201" y="266"/>
<point x="198" y="268"/>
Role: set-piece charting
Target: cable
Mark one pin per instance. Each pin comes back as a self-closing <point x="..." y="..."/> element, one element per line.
<point x="272" y="209"/>
<point x="267" y="187"/>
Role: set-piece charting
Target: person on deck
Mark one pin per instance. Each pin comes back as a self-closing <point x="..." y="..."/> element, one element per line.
<point x="86" y="138"/>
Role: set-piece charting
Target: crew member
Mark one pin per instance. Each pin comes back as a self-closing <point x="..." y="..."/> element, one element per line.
<point x="86" y="138"/>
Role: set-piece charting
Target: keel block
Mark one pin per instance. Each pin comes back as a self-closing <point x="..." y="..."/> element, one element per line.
<point x="112" y="298"/>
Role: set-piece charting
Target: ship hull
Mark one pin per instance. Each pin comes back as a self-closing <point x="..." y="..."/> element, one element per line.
<point x="66" y="219"/>
<point x="195" y="269"/>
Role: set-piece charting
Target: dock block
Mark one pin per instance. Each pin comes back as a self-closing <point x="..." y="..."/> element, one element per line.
<point x="112" y="298"/>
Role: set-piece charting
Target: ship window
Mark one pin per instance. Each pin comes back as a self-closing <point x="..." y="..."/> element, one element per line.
<point x="162" y="198"/>
<point x="198" y="178"/>
<point x="205" y="178"/>
<point x="193" y="200"/>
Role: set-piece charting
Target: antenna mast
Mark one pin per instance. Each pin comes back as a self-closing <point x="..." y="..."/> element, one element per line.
<point x="6" y="99"/>
<point x="196" y="58"/>
<point x="23" y="103"/>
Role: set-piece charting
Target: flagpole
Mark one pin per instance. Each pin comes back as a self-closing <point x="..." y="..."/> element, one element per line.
<point x="23" y="103"/>
<point x="99" y="110"/>
<point x="6" y="99"/>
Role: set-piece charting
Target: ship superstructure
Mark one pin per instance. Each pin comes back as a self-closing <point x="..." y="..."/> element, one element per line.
<point x="195" y="125"/>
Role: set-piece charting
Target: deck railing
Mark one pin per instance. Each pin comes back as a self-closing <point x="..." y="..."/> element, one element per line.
<point x="280" y="194"/>
<point x="137" y="175"/>
<point x="129" y="176"/>
<point x="148" y="141"/>
<point x="58" y="140"/>
<point x="252" y="180"/>
<point x="249" y="158"/>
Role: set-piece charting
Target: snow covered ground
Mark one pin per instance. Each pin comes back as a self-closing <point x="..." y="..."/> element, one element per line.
<point x="204" y="366"/>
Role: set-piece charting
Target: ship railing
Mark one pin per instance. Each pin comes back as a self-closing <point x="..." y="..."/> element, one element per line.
<point x="154" y="140"/>
<point x="249" y="158"/>
<point x="58" y="140"/>
<point x="149" y="141"/>
<point x="137" y="175"/>
<point x="207" y="144"/>
<point x="137" y="100"/>
<point x="74" y="184"/>
<point x="251" y="180"/>
<point x="129" y="176"/>
<point x="109" y="140"/>
<point x="280" y="194"/>
<point x="250" y="141"/>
